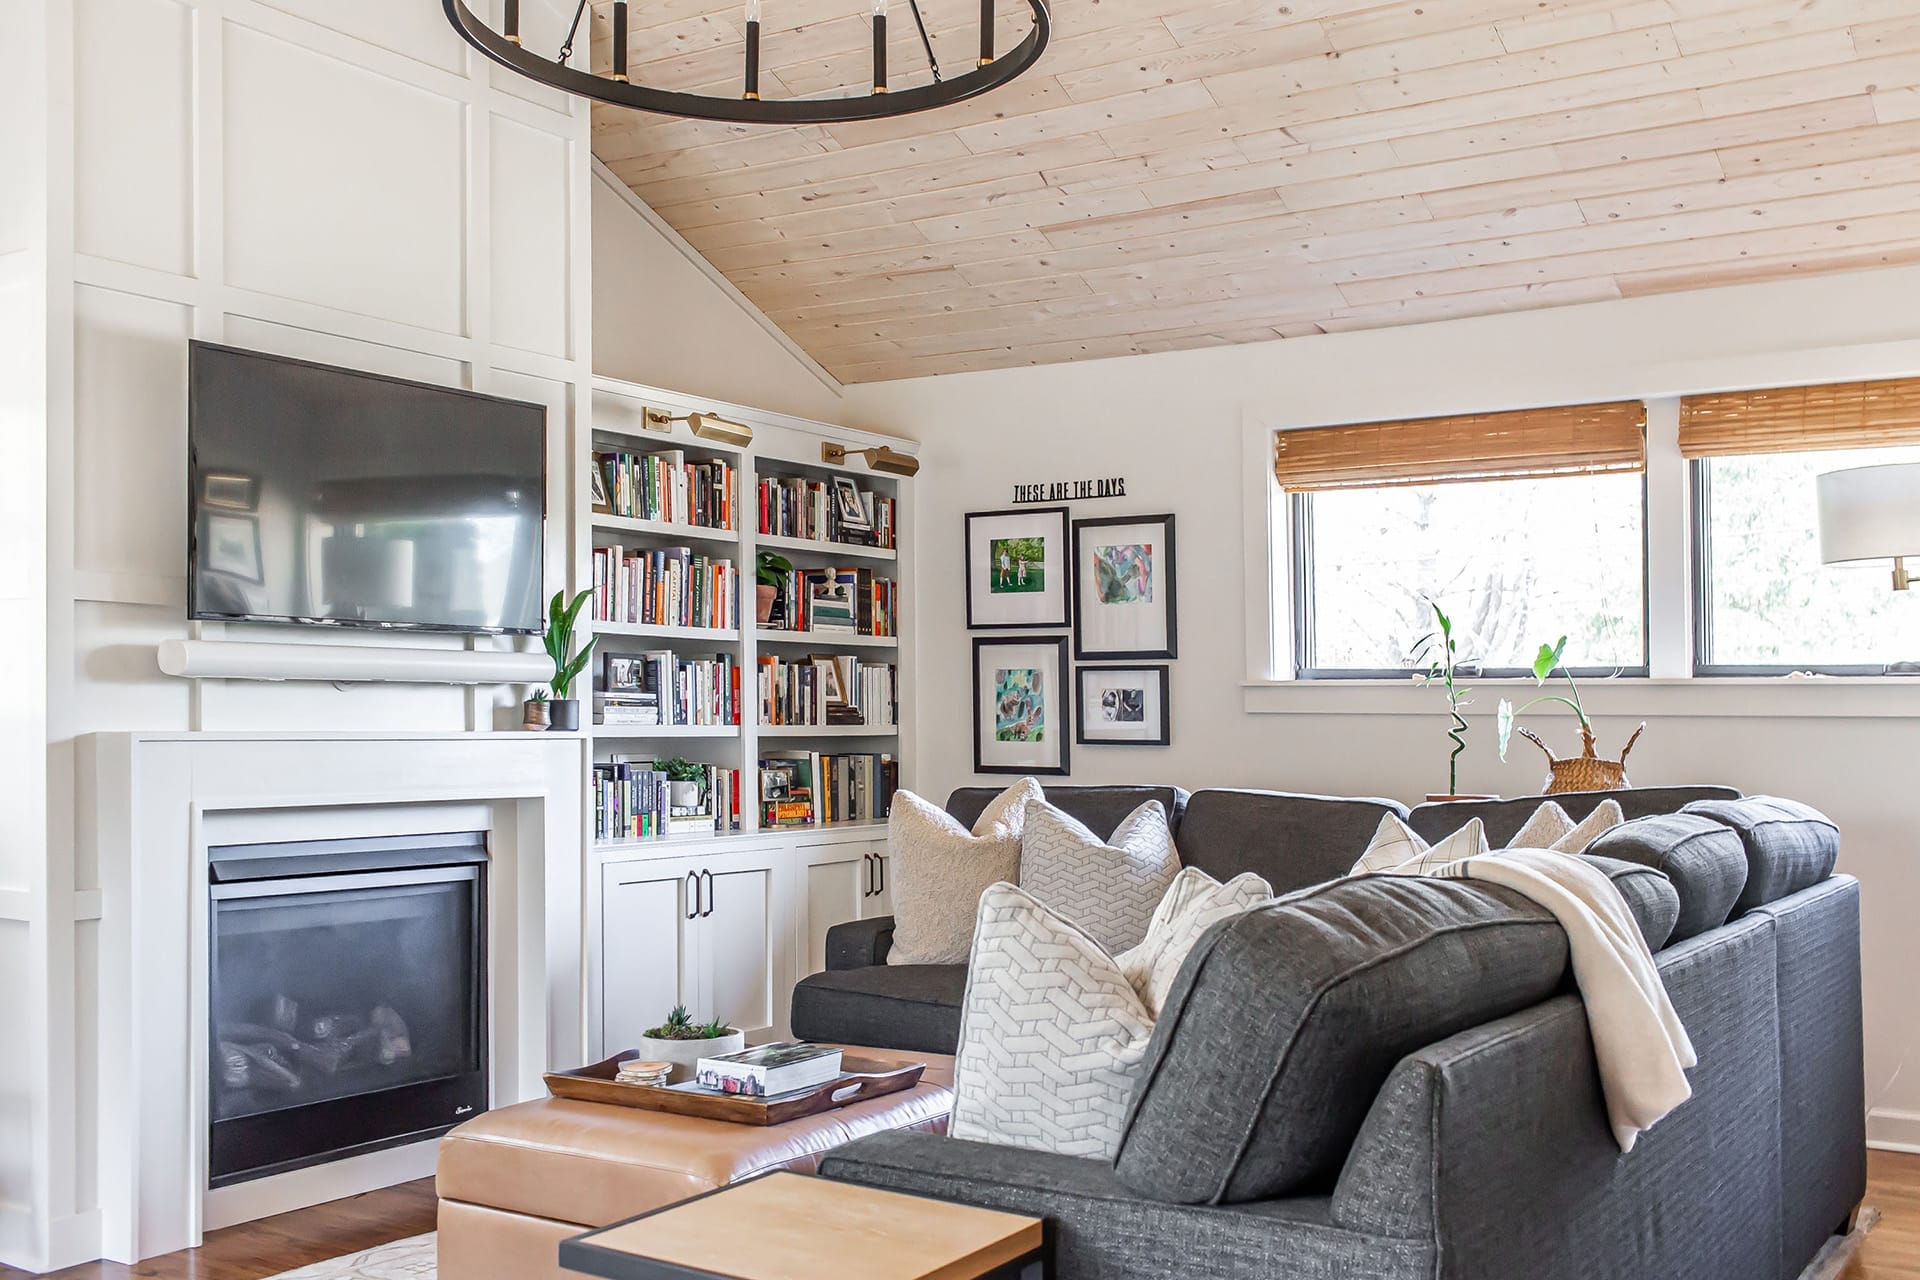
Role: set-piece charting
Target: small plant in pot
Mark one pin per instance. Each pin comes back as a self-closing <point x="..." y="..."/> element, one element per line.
<point x="533" y="714"/>
<point x="1440" y="650"/>
<point x="564" y="713"/>
<point x="770" y="572"/>
<point x="685" y="780"/>
<point x="683" y="1042"/>
<point x="1586" y="771"/>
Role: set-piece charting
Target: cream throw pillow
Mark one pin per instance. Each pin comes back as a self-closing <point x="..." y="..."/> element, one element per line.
<point x="1550" y="828"/>
<point x="1193" y="903"/>
<point x="1108" y="890"/>
<point x="939" y="869"/>
<point x="1397" y="847"/>
<point x="1052" y="1035"/>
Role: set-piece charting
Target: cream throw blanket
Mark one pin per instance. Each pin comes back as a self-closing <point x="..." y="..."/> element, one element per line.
<point x="1642" y="1051"/>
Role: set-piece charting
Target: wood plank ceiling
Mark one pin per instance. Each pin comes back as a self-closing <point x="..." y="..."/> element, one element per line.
<point x="1182" y="173"/>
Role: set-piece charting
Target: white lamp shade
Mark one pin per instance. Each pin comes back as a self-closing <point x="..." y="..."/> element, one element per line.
<point x="1870" y="513"/>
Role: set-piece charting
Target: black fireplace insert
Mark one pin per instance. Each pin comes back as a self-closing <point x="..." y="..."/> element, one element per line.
<point x="348" y="1004"/>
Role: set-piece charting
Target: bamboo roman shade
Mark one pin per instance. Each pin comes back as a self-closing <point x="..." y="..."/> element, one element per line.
<point x="1584" y="439"/>
<point x="1836" y="415"/>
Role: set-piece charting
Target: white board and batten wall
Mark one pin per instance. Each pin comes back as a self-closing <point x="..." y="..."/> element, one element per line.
<point x="1177" y="426"/>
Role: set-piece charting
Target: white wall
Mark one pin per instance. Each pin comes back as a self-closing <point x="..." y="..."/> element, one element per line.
<point x="663" y="318"/>
<point x="1174" y="426"/>
<point x="340" y="180"/>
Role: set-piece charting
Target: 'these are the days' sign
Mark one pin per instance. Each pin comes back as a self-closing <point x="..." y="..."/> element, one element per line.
<point x="1071" y="490"/>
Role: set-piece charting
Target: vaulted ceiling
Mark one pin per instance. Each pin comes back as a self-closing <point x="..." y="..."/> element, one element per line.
<point x="1182" y="173"/>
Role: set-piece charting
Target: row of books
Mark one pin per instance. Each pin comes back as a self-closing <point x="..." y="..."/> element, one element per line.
<point x="665" y="486"/>
<point x="632" y="800"/>
<point x="840" y="511"/>
<point x="664" y="586"/>
<point x="836" y="601"/>
<point x="828" y="689"/>
<point x="662" y="687"/>
<point x="807" y="788"/>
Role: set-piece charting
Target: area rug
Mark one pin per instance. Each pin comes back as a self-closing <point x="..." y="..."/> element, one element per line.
<point x="413" y="1258"/>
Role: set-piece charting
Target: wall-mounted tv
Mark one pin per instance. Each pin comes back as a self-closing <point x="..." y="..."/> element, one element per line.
<point x="340" y="498"/>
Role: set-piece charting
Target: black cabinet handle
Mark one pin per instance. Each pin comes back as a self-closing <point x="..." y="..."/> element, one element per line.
<point x="880" y="862"/>
<point x="868" y="891"/>
<point x="706" y="878"/>
<point x="693" y="894"/>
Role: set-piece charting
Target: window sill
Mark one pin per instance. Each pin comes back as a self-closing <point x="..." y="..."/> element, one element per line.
<point x="1627" y="697"/>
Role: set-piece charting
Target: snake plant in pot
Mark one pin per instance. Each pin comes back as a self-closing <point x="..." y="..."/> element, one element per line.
<point x="567" y="664"/>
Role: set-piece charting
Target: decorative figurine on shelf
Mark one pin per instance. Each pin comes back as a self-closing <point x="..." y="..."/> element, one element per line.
<point x="564" y="713"/>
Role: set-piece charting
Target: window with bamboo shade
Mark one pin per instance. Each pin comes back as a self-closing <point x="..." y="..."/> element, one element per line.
<point x="1834" y="415"/>
<point x="1588" y="439"/>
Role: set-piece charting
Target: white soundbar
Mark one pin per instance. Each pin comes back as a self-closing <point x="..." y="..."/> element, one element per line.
<point x="228" y="660"/>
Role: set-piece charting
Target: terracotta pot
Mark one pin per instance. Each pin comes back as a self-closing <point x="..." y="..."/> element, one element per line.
<point x="684" y="1053"/>
<point x="1586" y="771"/>
<point x="534" y="714"/>
<point x="763" y="598"/>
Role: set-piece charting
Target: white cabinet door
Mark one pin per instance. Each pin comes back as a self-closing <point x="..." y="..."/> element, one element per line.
<point x="880" y="901"/>
<point x="742" y="946"/>
<point x="836" y="889"/>
<point x="648" y="948"/>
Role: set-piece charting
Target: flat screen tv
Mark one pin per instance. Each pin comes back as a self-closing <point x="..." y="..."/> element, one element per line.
<point x="339" y="498"/>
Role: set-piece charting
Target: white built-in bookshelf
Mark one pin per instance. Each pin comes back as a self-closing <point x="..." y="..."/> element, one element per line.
<point x="783" y="447"/>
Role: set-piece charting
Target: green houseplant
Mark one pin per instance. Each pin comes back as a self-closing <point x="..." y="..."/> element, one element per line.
<point x="533" y="713"/>
<point x="1586" y="771"/>
<point x="1440" y="650"/>
<point x="681" y="1042"/>
<point x="770" y="573"/>
<point x="685" y="781"/>
<point x="567" y="664"/>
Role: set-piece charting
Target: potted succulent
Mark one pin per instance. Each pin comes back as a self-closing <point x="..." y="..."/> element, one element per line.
<point x="1586" y="771"/>
<point x="533" y="714"/>
<point x="770" y="572"/>
<point x="564" y="712"/>
<point x="685" y="779"/>
<point x="682" y="1042"/>
<point x="1441" y="652"/>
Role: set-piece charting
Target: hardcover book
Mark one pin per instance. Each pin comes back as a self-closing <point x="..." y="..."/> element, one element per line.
<point x="767" y="1070"/>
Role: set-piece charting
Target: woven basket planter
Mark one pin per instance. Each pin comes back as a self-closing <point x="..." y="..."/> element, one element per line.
<point x="1586" y="771"/>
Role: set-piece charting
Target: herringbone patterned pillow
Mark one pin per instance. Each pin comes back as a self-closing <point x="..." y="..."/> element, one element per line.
<point x="939" y="869"/>
<point x="1109" y="890"/>
<point x="1052" y="1034"/>
<point x="1194" y="903"/>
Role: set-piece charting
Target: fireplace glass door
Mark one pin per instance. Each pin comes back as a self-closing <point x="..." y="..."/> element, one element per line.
<point x="346" y="1005"/>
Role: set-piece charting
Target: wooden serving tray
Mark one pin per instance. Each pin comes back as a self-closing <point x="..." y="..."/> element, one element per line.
<point x="860" y="1079"/>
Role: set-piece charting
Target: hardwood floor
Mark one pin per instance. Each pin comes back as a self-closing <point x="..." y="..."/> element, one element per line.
<point x="266" y="1248"/>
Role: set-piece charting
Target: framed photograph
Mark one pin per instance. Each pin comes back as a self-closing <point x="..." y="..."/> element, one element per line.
<point x="1020" y="705"/>
<point x="826" y="673"/>
<point x="601" y="502"/>
<point x="233" y="547"/>
<point x="622" y="673"/>
<point x="846" y="502"/>
<point x="1017" y="574"/>
<point x="1123" y="588"/>
<point x="228" y="490"/>
<point x="1124" y="707"/>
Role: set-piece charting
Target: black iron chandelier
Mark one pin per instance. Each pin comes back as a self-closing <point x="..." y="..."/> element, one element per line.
<point x="617" y="89"/>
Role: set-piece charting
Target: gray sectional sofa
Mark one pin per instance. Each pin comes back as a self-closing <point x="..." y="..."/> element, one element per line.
<point x="1388" y="1078"/>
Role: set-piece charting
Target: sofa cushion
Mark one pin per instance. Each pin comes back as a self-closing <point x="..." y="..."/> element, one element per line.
<point x="1285" y="1020"/>
<point x="940" y="868"/>
<point x="1702" y="859"/>
<point x="1290" y="841"/>
<point x="1789" y="846"/>
<point x="1504" y="818"/>
<point x="1649" y="895"/>
<point x="1101" y="808"/>
<point x="1107" y="888"/>
<point x="896" y="1006"/>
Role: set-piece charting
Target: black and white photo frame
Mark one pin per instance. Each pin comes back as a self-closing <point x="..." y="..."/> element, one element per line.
<point x="1124" y="706"/>
<point x="1017" y="571"/>
<point x="1123" y="589"/>
<point x="1020" y="705"/>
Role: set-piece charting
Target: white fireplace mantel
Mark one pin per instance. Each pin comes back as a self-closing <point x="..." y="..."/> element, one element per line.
<point x="154" y="802"/>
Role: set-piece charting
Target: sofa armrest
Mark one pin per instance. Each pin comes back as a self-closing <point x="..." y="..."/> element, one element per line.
<point x="1099" y="1230"/>
<point x="859" y="943"/>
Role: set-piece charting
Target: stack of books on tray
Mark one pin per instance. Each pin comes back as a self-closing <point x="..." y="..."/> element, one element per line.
<point x="768" y="1070"/>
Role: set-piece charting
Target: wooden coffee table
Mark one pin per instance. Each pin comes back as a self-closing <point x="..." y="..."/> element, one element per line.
<point x="789" y="1226"/>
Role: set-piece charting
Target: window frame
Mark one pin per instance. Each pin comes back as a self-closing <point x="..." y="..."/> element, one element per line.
<point x="1700" y="591"/>
<point x="1299" y="516"/>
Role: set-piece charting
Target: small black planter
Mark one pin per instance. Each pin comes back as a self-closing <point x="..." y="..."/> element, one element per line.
<point x="563" y="714"/>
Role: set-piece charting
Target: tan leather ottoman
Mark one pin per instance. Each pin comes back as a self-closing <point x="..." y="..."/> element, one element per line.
<point x="515" y="1182"/>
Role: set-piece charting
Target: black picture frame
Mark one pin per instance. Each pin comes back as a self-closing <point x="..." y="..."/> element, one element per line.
<point x="1044" y="616"/>
<point x="1158" y="674"/>
<point x="1169" y="593"/>
<point x="1058" y="718"/>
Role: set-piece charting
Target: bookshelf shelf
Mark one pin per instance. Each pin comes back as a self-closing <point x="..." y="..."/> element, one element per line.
<point x="669" y="529"/>
<point x="647" y="732"/>
<point x="823" y="640"/>
<point x="652" y="631"/>
<point x="829" y="731"/>
<point x="821" y="546"/>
